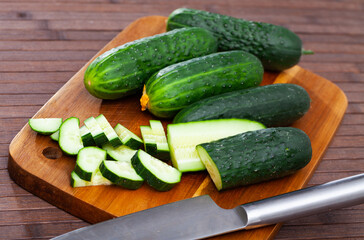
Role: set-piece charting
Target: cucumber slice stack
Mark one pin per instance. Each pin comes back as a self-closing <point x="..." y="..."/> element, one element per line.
<point x="155" y="140"/>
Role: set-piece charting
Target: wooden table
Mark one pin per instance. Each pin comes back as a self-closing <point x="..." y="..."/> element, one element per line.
<point x="43" y="44"/>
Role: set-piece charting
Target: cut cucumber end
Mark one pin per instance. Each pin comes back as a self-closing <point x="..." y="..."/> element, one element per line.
<point x="45" y="126"/>
<point x="210" y="166"/>
<point x="69" y="136"/>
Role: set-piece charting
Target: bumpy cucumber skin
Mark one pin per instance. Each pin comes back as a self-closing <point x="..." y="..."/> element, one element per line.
<point x="276" y="105"/>
<point x="123" y="70"/>
<point x="258" y="156"/>
<point x="148" y="176"/>
<point x="277" y="47"/>
<point x="181" y="84"/>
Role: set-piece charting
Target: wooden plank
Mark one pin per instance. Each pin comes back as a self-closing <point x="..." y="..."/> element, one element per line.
<point x="320" y="124"/>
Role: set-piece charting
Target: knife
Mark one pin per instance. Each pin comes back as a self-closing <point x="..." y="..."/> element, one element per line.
<point x="200" y="217"/>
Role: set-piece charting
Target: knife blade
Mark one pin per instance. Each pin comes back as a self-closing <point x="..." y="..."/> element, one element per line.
<point x="200" y="217"/>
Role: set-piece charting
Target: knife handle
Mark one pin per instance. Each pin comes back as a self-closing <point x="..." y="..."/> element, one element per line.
<point x="312" y="200"/>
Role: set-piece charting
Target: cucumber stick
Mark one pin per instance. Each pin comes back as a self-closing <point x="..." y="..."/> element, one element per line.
<point x="127" y="137"/>
<point x="155" y="172"/>
<point x="69" y="136"/>
<point x="96" y="131"/>
<point x="255" y="156"/>
<point x="45" y="126"/>
<point x="97" y="180"/>
<point x="88" y="162"/>
<point x="121" y="173"/>
<point x="183" y="138"/>
<point x="155" y="141"/>
<point x="277" y="47"/>
<point x="86" y="137"/>
<point x="123" y="70"/>
<point x="109" y="132"/>
<point x="120" y="153"/>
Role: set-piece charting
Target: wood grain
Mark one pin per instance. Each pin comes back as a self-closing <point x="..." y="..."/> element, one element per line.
<point x="31" y="169"/>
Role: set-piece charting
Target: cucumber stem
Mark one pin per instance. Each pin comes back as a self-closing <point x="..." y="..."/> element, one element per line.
<point x="144" y="100"/>
<point x="307" y="52"/>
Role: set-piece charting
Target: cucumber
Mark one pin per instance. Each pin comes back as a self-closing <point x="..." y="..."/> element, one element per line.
<point x="69" y="136"/>
<point x="123" y="70"/>
<point x="181" y="84"/>
<point x="275" y="105"/>
<point x="155" y="140"/>
<point x="86" y="137"/>
<point x="120" y="153"/>
<point x="55" y="136"/>
<point x="88" y="162"/>
<point x="97" y="180"/>
<point x="127" y="137"/>
<point x="156" y="173"/>
<point x="109" y="132"/>
<point x="45" y="126"/>
<point x="183" y="138"/>
<point x="277" y="47"/>
<point x="255" y="156"/>
<point x="121" y="173"/>
<point x="96" y="131"/>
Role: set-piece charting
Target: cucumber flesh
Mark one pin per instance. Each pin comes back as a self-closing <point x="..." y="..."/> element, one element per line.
<point x="127" y="137"/>
<point x="155" y="172"/>
<point x="97" y="179"/>
<point x="155" y="141"/>
<point x="69" y="136"/>
<point x="96" y="131"/>
<point x="184" y="137"/>
<point x="88" y="162"/>
<point x="121" y="153"/>
<point x="55" y="136"/>
<point x="121" y="173"/>
<point x="109" y="132"/>
<point x="86" y="137"/>
<point x="45" y="126"/>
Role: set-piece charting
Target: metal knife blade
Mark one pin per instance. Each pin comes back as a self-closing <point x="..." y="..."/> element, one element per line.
<point x="200" y="217"/>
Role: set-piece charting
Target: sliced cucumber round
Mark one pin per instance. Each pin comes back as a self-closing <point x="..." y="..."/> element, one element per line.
<point x="155" y="172"/>
<point x="121" y="173"/>
<point x="45" y="126"/>
<point x="88" y="162"/>
<point x="69" y="136"/>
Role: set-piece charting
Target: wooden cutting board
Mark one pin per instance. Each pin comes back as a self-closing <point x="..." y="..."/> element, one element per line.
<point x="37" y="164"/>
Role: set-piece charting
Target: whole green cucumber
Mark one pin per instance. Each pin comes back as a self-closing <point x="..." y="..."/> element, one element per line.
<point x="277" y="47"/>
<point x="276" y="105"/>
<point x="123" y="70"/>
<point x="255" y="156"/>
<point x="181" y="84"/>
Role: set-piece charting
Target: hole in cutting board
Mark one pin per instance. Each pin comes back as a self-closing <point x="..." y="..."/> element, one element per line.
<point x="52" y="153"/>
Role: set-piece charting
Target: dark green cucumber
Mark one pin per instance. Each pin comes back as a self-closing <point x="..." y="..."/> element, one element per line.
<point x="255" y="156"/>
<point x="275" y="105"/>
<point x="181" y="84"/>
<point x="123" y="70"/>
<point x="277" y="47"/>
